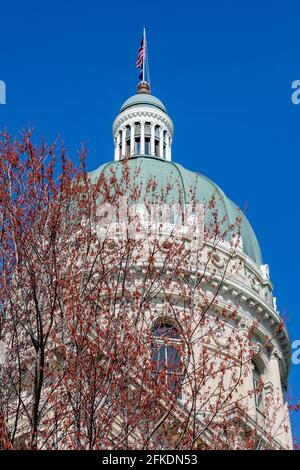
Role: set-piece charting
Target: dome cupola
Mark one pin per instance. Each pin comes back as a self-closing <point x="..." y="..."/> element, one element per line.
<point x="143" y="127"/>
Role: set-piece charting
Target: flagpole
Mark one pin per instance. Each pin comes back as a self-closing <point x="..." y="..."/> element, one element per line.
<point x="144" y="52"/>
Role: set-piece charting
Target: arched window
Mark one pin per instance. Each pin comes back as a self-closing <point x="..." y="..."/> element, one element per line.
<point x="165" y="355"/>
<point x="258" y="387"/>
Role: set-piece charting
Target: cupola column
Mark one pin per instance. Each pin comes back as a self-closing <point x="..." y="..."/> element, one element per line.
<point x="142" y="137"/>
<point x="132" y="138"/>
<point x="167" y="148"/>
<point x="123" y="142"/>
<point x="152" y="141"/>
<point x="117" y="148"/>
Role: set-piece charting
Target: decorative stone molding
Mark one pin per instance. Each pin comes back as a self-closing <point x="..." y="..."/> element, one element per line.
<point x="218" y="260"/>
<point x="269" y="388"/>
<point x="244" y="324"/>
<point x="265" y="271"/>
<point x="256" y="348"/>
<point x="276" y="354"/>
<point x="155" y="117"/>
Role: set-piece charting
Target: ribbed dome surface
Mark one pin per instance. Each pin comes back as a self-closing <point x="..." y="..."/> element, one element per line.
<point x="142" y="99"/>
<point x="183" y="181"/>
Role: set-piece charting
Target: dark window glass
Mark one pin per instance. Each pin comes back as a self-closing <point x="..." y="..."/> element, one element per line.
<point x="137" y="146"/>
<point x="165" y="355"/>
<point x="128" y="147"/>
<point x="258" y="388"/>
<point x="173" y="359"/>
<point x="147" y="145"/>
<point x="157" y="148"/>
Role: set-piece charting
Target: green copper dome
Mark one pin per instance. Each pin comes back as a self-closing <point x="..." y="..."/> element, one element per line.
<point x="143" y="168"/>
<point x="142" y="99"/>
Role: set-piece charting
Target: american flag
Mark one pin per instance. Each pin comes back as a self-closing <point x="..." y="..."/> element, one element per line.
<point x="140" y="57"/>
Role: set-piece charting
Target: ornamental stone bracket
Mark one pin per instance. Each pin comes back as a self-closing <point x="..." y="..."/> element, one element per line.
<point x="269" y="388"/>
<point x="276" y="354"/>
<point x="257" y="349"/>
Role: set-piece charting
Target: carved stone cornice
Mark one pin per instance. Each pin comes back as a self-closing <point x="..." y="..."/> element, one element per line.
<point x="137" y="113"/>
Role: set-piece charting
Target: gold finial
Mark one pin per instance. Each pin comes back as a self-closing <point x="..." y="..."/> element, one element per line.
<point x="143" y="87"/>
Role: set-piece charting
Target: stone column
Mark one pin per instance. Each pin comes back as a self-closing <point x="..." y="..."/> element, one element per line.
<point x="142" y="137"/>
<point x="280" y="409"/>
<point x="132" y="139"/>
<point x="168" y="148"/>
<point x="117" y="147"/>
<point x="116" y="150"/>
<point x="152" y="141"/>
<point x="123" y="142"/>
<point x="170" y="152"/>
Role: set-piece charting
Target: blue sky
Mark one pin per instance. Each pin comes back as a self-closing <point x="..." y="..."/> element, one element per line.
<point x="224" y="70"/>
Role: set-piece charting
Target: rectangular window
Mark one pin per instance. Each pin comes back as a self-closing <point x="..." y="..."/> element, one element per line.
<point x="157" y="147"/>
<point x="147" y="145"/>
<point x="137" y="146"/>
<point x="127" y="147"/>
<point x="137" y="128"/>
<point x="147" y="129"/>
